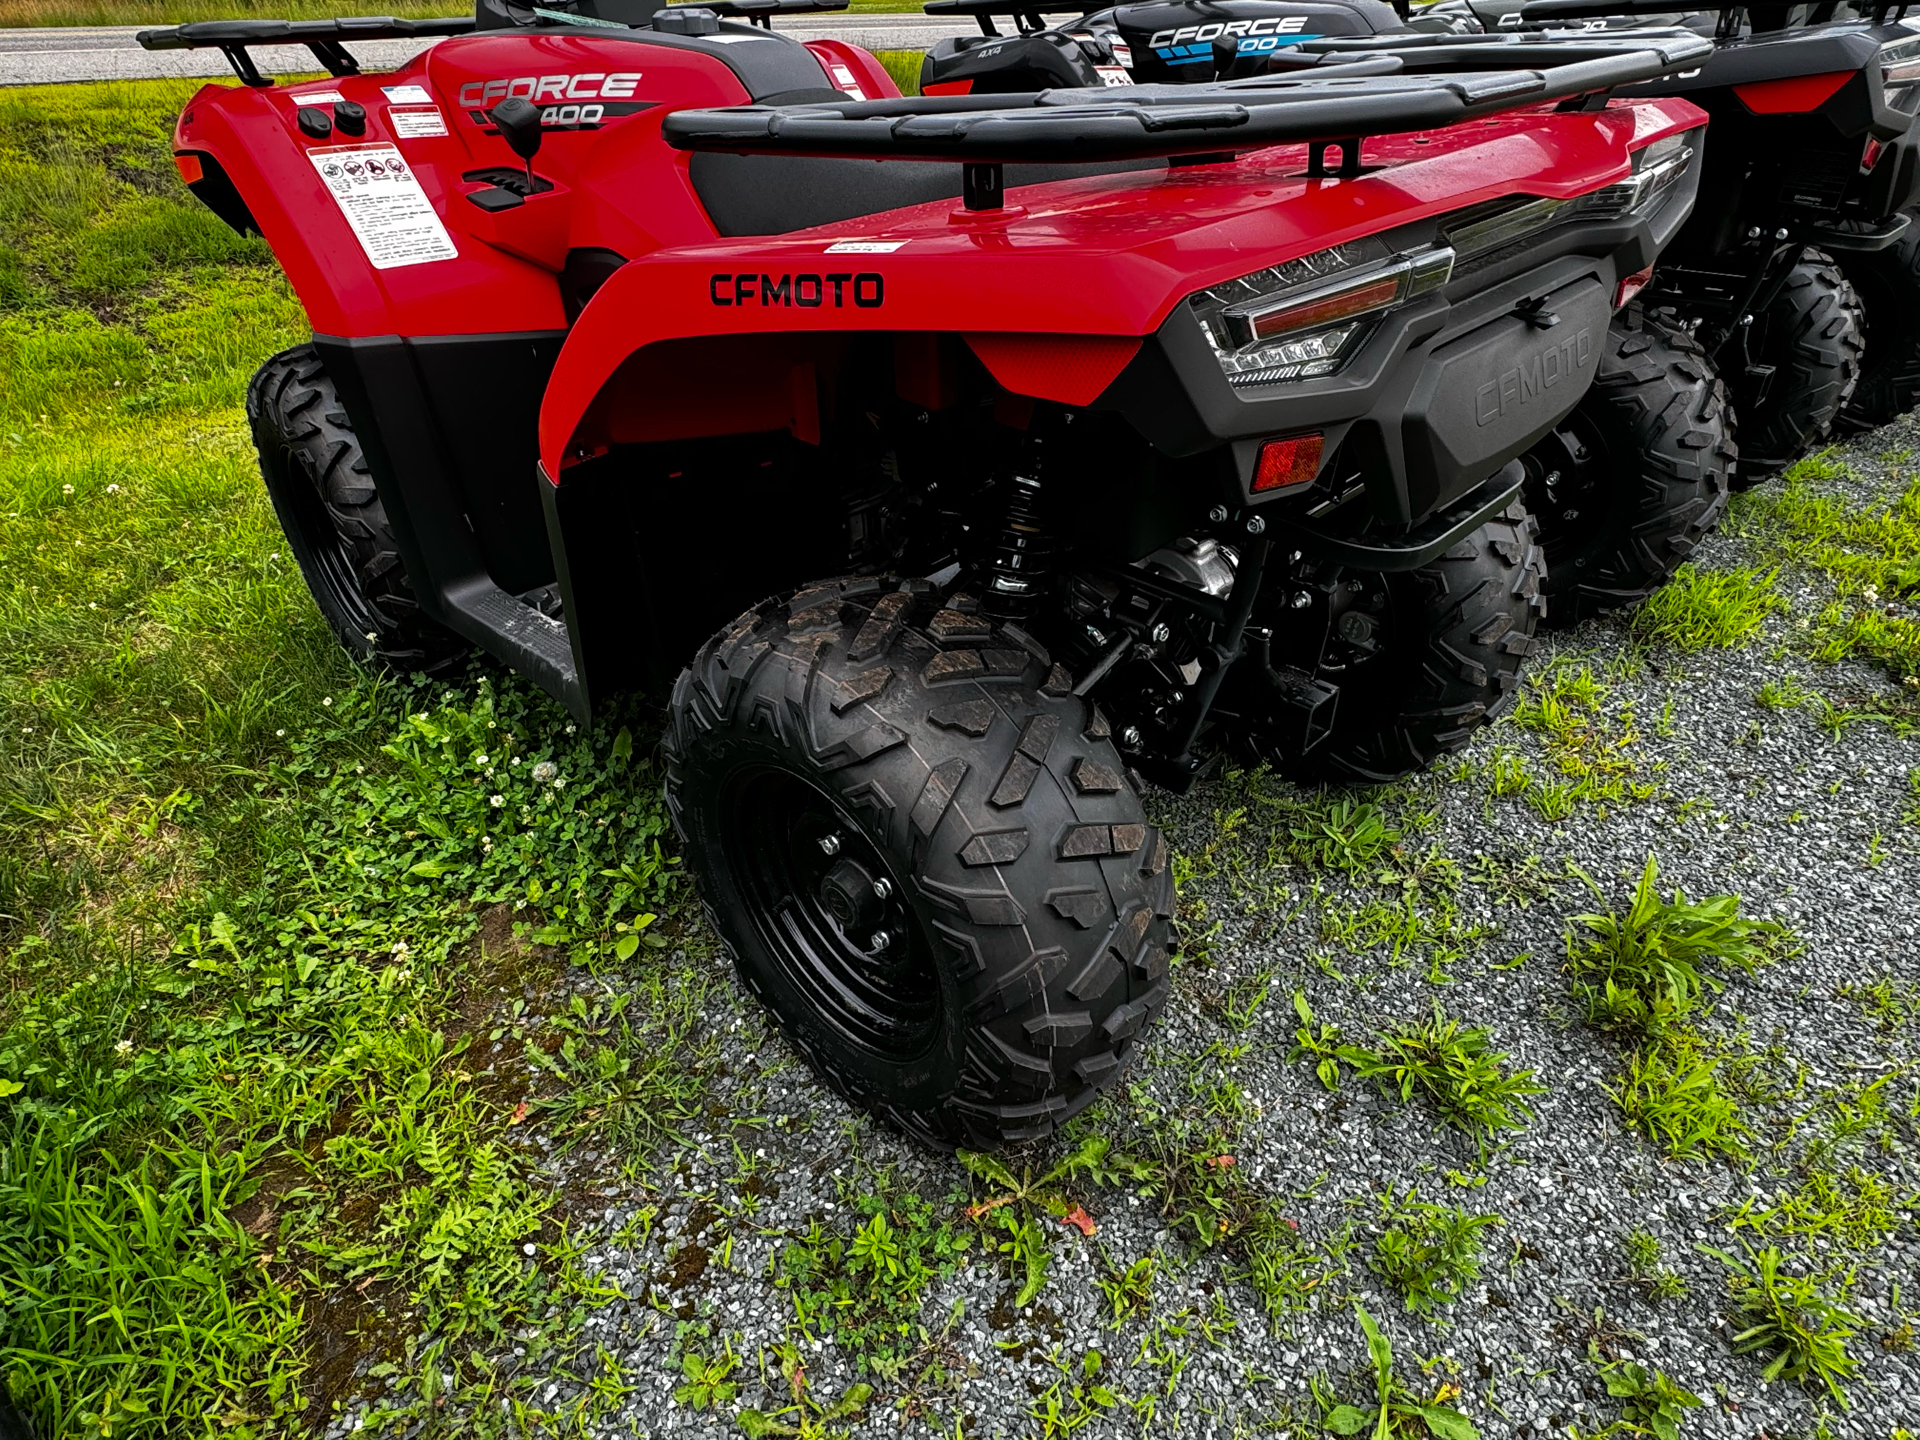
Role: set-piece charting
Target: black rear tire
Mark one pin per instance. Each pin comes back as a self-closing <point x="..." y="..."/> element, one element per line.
<point x="1888" y="284"/>
<point x="1026" y="903"/>
<point x="334" y="521"/>
<point x="1813" y="335"/>
<point x="1423" y="659"/>
<point x="1631" y="482"/>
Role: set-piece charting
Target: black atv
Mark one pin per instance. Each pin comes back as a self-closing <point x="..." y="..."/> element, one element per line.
<point x="1171" y="42"/>
<point x="1799" y="272"/>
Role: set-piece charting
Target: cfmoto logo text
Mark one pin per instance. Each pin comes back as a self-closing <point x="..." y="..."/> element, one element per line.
<point x="1199" y="34"/>
<point x="1532" y="377"/>
<point x="867" y="290"/>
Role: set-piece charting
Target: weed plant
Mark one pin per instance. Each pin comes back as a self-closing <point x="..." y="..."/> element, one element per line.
<point x="1645" y="1266"/>
<point x="1393" y="1413"/>
<point x="864" y="1286"/>
<point x="1789" y="1321"/>
<point x="1643" y="971"/>
<point x="1456" y="1069"/>
<point x="1429" y="1253"/>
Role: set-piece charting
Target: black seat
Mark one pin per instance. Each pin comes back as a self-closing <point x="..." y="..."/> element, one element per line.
<point x="777" y="194"/>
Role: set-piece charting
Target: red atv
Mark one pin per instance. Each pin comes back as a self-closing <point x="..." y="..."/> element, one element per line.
<point x="1126" y="424"/>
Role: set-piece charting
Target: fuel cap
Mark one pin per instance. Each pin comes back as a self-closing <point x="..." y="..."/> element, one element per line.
<point x="351" y="118"/>
<point x="313" y="121"/>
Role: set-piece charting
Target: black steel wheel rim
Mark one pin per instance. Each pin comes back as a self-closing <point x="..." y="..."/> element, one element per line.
<point x="822" y="897"/>
<point x="1565" y="486"/>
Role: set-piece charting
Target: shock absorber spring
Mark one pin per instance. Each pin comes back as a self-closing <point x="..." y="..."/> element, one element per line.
<point x="1018" y="568"/>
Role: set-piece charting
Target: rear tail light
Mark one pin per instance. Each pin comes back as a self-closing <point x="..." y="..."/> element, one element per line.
<point x="1307" y="318"/>
<point x="1297" y="320"/>
<point x="1631" y="286"/>
<point x="1289" y="462"/>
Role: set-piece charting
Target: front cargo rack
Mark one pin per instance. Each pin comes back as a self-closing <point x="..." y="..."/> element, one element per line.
<point x="1335" y="105"/>
<point x="1028" y="16"/>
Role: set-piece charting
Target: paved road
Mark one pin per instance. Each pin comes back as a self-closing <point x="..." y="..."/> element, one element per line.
<point x="109" y="52"/>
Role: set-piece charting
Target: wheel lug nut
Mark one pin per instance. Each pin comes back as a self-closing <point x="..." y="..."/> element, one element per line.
<point x="882" y="888"/>
<point x="1256" y="525"/>
<point x="881" y="939"/>
<point x="1130" y="736"/>
<point x="1217" y="514"/>
<point x="830" y="844"/>
<point x="1301" y="599"/>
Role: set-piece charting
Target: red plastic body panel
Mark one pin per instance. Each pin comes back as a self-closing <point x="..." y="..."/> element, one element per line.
<point x="1072" y="369"/>
<point x="853" y="70"/>
<point x="616" y="185"/>
<point x="1794" y="95"/>
<point x="1105" y="256"/>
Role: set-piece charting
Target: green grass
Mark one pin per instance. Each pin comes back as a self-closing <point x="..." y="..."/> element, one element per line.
<point x="1703" y="609"/>
<point x="265" y="1032"/>
<point x="1868" y="553"/>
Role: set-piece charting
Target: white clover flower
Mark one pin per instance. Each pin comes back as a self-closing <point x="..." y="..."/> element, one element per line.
<point x="66" y="489"/>
<point x="497" y="801"/>
<point x="278" y="733"/>
<point x="544" y="772"/>
<point x="327" y="701"/>
<point x="113" y="489"/>
<point x="569" y="729"/>
<point x="480" y="760"/>
<point x="122" y="1047"/>
<point x="560" y="784"/>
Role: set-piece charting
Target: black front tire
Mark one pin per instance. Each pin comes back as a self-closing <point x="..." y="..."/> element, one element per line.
<point x="1026" y="901"/>
<point x="1888" y="283"/>
<point x="1813" y="336"/>
<point x="1636" y="477"/>
<point x="335" y="523"/>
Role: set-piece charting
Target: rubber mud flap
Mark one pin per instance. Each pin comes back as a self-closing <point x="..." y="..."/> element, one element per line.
<point x="1494" y="392"/>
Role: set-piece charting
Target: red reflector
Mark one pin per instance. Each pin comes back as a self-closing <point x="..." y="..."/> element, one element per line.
<point x="1293" y="461"/>
<point x="1871" y="155"/>
<point x="1631" y="286"/>
<point x="1794" y="95"/>
<point x="948" y="87"/>
<point x="189" y="168"/>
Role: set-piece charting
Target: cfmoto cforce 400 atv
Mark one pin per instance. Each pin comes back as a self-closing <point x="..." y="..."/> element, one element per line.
<point x="1086" y="431"/>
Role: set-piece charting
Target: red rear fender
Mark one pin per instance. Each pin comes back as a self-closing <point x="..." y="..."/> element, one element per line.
<point x="1053" y="294"/>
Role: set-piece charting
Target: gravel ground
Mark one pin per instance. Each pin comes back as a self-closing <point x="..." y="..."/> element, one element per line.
<point x="1765" y="804"/>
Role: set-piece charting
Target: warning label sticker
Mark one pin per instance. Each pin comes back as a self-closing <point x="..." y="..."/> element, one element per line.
<point x="406" y="94"/>
<point x="412" y="124"/>
<point x="390" y="214"/>
<point x="316" y="97"/>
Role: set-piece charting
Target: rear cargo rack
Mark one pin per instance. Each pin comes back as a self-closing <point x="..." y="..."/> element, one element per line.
<point x="1028" y="16"/>
<point x="326" y="38"/>
<point x="1334" y="106"/>
<point x="1587" y="9"/>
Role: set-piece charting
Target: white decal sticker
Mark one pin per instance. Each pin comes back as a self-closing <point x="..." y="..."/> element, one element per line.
<point x="864" y="247"/>
<point x="390" y="214"/>
<point x="731" y="39"/>
<point x="846" y="80"/>
<point x="414" y="124"/>
<point x="1111" y="75"/>
<point x="316" y="97"/>
<point x="406" y="94"/>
